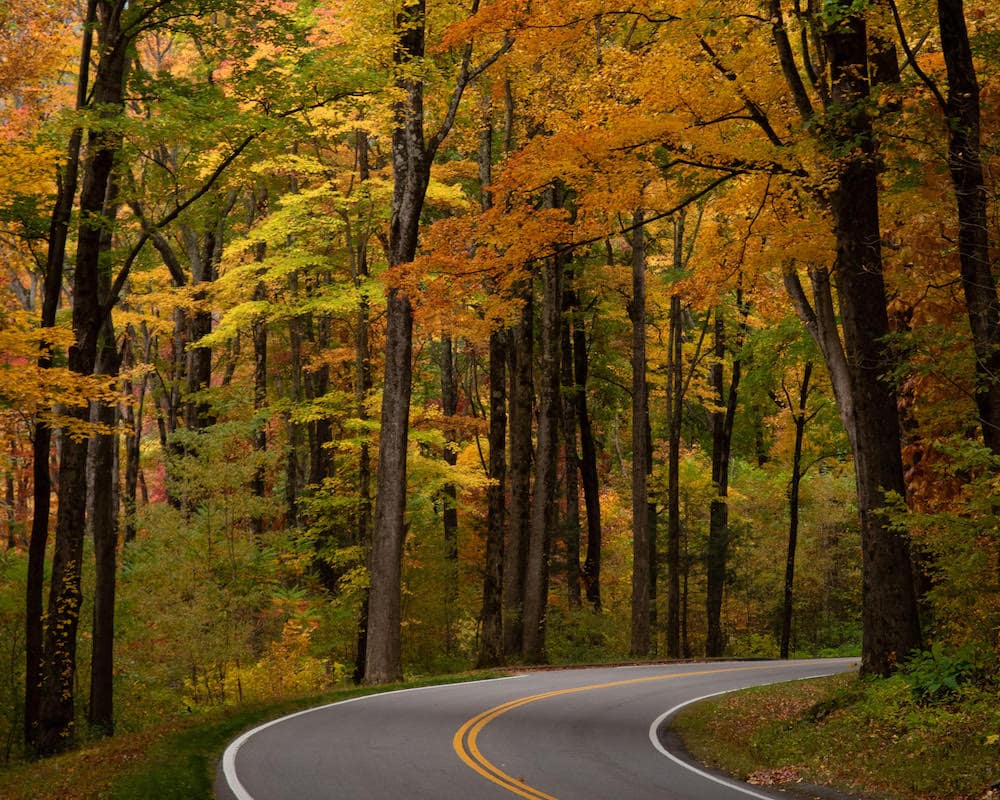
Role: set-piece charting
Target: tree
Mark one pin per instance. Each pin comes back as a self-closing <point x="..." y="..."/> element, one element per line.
<point x="58" y="232"/>
<point x="491" y="648"/>
<point x="868" y="402"/>
<point x="56" y="708"/>
<point x="800" y="418"/>
<point x="642" y="566"/>
<point x="962" y="112"/>
<point x="412" y="158"/>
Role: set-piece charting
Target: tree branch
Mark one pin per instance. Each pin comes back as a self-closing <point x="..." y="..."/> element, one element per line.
<point x="755" y="111"/>
<point x="123" y="273"/>
<point x="912" y="58"/>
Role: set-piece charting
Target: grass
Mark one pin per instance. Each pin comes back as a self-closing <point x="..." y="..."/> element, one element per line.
<point x="175" y="760"/>
<point x="865" y="737"/>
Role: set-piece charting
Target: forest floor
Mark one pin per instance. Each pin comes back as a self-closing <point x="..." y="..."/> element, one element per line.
<point x="868" y="738"/>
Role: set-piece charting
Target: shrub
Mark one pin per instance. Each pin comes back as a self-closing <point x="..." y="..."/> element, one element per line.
<point x="935" y="676"/>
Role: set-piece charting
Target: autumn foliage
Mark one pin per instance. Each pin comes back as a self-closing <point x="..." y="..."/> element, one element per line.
<point x="338" y="248"/>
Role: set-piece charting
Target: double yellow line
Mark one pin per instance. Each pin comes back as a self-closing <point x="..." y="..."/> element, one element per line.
<point x="465" y="740"/>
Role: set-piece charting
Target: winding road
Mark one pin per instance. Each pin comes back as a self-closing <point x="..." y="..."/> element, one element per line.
<point x="579" y="734"/>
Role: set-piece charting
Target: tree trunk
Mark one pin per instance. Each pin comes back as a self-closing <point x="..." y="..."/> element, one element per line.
<point x="363" y="387"/>
<point x="889" y="609"/>
<point x="641" y="566"/>
<point x="449" y="494"/>
<point x="383" y="658"/>
<point x="56" y="728"/>
<point x="571" y="461"/>
<point x="491" y="652"/>
<point x="104" y="524"/>
<point x="66" y="183"/>
<point x="198" y="412"/>
<point x="103" y="484"/>
<point x="9" y="500"/>
<point x="411" y="173"/>
<point x="522" y="399"/>
<point x="962" y="109"/>
<point x="204" y="253"/>
<point x="591" y="572"/>
<point x="258" y="486"/>
<point x="293" y="471"/>
<point x="675" y="410"/>
<point x="717" y="554"/>
<point x="319" y="431"/>
<point x="543" y="497"/>
<point x="793" y="511"/>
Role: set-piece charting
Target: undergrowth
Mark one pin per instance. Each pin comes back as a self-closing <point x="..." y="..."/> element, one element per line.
<point x="931" y="732"/>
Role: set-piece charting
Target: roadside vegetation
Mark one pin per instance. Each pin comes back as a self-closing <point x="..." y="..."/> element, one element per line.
<point x="173" y="760"/>
<point x="930" y="732"/>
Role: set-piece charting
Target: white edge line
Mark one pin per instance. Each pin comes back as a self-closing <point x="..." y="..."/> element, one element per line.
<point x="655" y="739"/>
<point x="229" y="756"/>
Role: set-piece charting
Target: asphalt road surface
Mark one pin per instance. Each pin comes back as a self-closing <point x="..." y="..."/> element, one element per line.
<point x="580" y="734"/>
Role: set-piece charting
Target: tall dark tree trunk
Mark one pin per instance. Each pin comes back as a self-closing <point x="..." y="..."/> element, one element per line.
<point x="170" y="404"/>
<point x="675" y="410"/>
<point x="962" y="109"/>
<point x="293" y="445"/>
<point x="717" y="555"/>
<point x="591" y="572"/>
<point x="858" y="356"/>
<point x="258" y="328"/>
<point x="383" y="659"/>
<point x="543" y="497"/>
<point x="449" y="493"/>
<point x="571" y="461"/>
<point x="66" y="185"/>
<point x="103" y="512"/>
<point x="258" y="332"/>
<point x="652" y="524"/>
<point x="793" y="510"/>
<point x="104" y="524"/>
<point x="641" y="566"/>
<point x="491" y="652"/>
<point x="889" y="607"/>
<point x="204" y="253"/>
<point x="522" y="400"/>
<point x="56" y="725"/>
<point x="363" y="387"/>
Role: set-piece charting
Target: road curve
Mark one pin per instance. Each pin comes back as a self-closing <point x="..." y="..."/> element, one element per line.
<point x="580" y="734"/>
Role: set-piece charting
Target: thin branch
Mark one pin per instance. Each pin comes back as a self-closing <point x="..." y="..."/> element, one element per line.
<point x="696" y="359"/>
<point x="691" y="198"/>
<point x="798" y="296"/>
<point x="160" y="242"/>
<point x="465" y="77"/>
<point x="756" y="112"/>
<point x="787" y="59"/>
<point x="912" y="58"/>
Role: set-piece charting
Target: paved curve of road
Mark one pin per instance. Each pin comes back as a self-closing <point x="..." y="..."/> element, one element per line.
<point x="580" y="734"/>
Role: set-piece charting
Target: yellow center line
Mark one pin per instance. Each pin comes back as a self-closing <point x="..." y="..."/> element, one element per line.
<point x="466" y="747"/>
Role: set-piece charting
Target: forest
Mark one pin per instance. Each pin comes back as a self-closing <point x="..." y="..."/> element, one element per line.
<point x="354" y="340"/>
